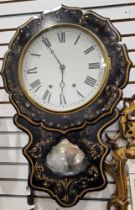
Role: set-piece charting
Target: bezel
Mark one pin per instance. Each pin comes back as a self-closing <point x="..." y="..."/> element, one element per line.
<point x="104" y="103"/>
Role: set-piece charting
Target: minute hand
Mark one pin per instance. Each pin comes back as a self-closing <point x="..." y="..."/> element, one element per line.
<point x="52" y="51"/>
<point x="62" y="67"/>
<point x="47" y="43"/>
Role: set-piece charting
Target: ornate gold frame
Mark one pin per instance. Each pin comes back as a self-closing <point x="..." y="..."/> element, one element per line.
<point x="117" y="166"/>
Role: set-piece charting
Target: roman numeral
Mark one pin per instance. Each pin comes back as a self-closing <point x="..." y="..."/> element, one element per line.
<point x="62" y="99"/>
<point x="35" y="54"/>
<point x="89" y="50"/>
<point x="36" y="84"/>
<point x="76" y="40"/>
<point x="32" y="71"/>
<point x="47" y="96"/>
<point x="94" y="65"/>
<point x="90" y="81"/>
<point x="61" y="37"/>
<point x="46" y="41"/>
<point x="80" y="94"/>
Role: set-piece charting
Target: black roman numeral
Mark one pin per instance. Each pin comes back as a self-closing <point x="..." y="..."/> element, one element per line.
<point x="32" y="71"/>
<point x="47" y="96"/>
<point x="90" y="81"/>
<point x="80" y="94"/>
<point x="36" y="84"/>
<point x="46" y="41"/>
<point x="89" y="50"/>
<point x="61" y="37"/>
<point x="77" y="40"/>
<point x="94" y="65"/>
<point x="35" y="54"/>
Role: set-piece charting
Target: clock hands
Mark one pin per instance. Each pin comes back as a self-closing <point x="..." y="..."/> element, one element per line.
<point x="62" y="68"/>
<point x="62" y="83"/>
<point x="48" y="44"/>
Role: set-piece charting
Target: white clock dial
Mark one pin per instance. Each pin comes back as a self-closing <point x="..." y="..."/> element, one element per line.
<point x="63" y="68"/>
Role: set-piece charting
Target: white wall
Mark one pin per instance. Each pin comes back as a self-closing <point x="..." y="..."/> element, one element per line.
<point x="13" y="166"/>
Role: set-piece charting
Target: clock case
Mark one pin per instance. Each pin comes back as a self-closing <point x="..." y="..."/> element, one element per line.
<point x="83" y="127"/>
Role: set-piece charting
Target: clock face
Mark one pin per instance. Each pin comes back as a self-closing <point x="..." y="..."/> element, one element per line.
<point x="63" y="68"/>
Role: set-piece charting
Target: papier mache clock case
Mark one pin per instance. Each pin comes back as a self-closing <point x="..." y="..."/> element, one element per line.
<point x="64" y="72"/>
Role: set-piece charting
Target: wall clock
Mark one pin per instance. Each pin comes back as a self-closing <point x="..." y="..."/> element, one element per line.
<point x="64" y="72"/>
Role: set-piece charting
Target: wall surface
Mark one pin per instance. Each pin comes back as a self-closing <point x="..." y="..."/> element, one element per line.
<point x="13" y="165"/>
